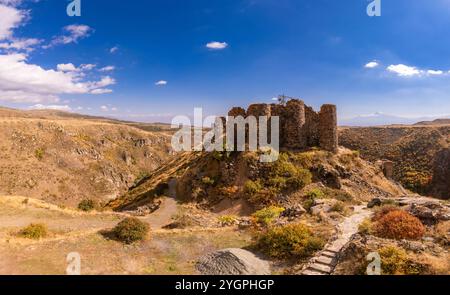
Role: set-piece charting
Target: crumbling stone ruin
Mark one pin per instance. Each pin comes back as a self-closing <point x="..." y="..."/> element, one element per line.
<point x="300" y="126"/>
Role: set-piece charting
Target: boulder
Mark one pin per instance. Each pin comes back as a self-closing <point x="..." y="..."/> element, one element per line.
<point x="431" y="212"/>
<point x="232" y="262"/>
<point x="294" y="212"/>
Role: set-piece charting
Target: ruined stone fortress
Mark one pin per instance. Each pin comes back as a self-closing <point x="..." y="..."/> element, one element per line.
<point x="300" y="126"/>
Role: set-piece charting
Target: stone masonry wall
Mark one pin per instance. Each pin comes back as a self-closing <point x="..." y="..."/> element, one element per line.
<point x="328" y="134"/>
<point x="300" y="126"/>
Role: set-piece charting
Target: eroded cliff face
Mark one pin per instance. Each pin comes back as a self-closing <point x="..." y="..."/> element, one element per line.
<point x="63" y="160"/>
<point x="441" y="174"/>
<point x="419" y="154"/>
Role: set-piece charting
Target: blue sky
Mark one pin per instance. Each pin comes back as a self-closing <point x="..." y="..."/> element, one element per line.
<point x="109" y="60"/>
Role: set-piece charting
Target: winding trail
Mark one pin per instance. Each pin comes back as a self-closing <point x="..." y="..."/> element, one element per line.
<point x="325" y="261"/>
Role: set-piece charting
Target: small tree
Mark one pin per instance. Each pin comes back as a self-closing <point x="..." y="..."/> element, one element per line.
<point x="131" y="230"/>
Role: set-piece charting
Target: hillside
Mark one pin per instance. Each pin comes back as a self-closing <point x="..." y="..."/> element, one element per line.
<point x="217" y="179"/>
<point x="63" y="158"/>
<point x="421" y="154"/>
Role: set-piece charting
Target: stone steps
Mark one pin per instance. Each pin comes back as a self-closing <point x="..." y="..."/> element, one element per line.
<point x="325" y="261"/>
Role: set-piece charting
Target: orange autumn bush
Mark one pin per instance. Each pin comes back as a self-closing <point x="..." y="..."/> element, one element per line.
<point x="399" y="225"/>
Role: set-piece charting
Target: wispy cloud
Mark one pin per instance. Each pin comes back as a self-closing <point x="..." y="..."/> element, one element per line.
<point x="114" y="49"/>
<point x="107" y="69"/>
<point x="72" y="34"/>
<point x="161" y="83"/>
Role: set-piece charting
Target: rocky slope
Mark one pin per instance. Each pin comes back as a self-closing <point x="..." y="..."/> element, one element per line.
<point x="63" y="158"/>
<point x="420" y="154"/>
<point x="217" y="179"/>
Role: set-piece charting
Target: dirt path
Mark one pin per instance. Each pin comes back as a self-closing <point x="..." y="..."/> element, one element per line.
<point x="163" y="216"/>
<point x="325" y="261"/>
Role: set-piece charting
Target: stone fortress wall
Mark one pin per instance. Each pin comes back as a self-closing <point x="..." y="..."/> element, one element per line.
<point x="300" y="126"/>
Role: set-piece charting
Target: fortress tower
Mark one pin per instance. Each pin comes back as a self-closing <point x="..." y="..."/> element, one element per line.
<point x="300" y="126"/>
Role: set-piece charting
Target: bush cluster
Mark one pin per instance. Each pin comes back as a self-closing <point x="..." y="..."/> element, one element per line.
<point x="34" y="231"/>
<point x="399" y="225"/>
<point x="87" y="205"/>
<point x="267" y="215"/>
<point x="131" y="230"/>
<point x="293" y="240"/>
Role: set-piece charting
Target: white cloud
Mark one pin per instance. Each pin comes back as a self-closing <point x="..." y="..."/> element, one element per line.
<point x="105" y="81"/>
<point x="20" y="44"/>
<point x="73" y="33"/>
<point x="24" y="82"/>
<point x="114" y="109"/>
<point x="76" y="71"/>
<point x="51" y="107"/>
<point x="114" y="49"/>
<point x="104" y="108"/>
<point x="13" y="3"/>
<point x="101" y="91"/>
<point x="107" y="69"/>
<point x="87" y="67"/>
<point x="409" y="71"/>
<point x="161" y="83"/>
<point x="372" y="64"/>
<point x="217" y="45"/>
<point x="66" y="67"/>
<point x="403" y="70"/>
<point x="10" y="18"/>
<point x="435" y="73"/>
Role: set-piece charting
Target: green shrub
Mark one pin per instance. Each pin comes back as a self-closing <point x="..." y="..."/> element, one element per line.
<point x="285" y="175"/>
<point x="207" y="181"/>
<point x="311" y="197"/>
<point x="252" y="187"/>
<point x="87" y="205"/>
<point x="131" y="230"/>
<point x="338" y="207"/>
<point x="365" y="227"/>
<point x="227" y="220"/>
<point x="39" y="153"/>
<point x="315" y="194"/>
<point x="293" y="240"/>
<point x="416" y="181"/>
<point x="393" y="260"/>
<point x="268" y="215"/>
<point x="34" y="231"/>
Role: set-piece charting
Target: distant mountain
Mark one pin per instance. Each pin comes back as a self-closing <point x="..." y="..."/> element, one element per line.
<point x="435" y="122"/>
<point x="380" y="119"/>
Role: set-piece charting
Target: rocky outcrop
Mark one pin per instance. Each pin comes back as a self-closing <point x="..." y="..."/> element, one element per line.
<point x="232" y="262"/>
